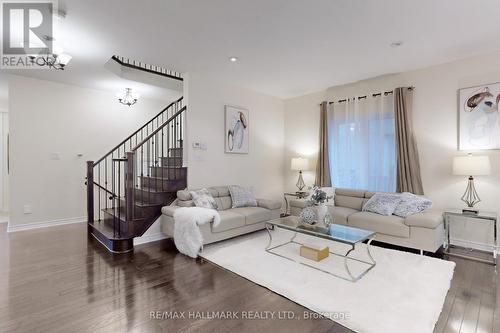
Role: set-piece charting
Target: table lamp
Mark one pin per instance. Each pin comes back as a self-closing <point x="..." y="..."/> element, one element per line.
<point x="300" y="164"/>
<point x="471" y="166"/>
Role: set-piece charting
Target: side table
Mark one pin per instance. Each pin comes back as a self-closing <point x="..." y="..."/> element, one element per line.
<point x="483" y="216"/>
<point x="298" y="195"/>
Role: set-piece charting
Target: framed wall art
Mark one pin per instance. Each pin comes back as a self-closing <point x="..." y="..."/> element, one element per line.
<point x="479" y="121"/>
<point x="236" y="130"/>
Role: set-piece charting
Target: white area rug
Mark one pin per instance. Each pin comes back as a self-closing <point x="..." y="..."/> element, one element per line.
<point x="404" y="292"/>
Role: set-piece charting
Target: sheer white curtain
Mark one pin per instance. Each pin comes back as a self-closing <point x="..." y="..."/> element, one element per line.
<point x="362" y="146"/>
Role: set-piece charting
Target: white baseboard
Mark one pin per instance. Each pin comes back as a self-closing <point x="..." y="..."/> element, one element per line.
<point x="45" y="224"/>
<point x="28" y="226"/>
<point x="473" y="245"/>
<point x="149" y="238"/>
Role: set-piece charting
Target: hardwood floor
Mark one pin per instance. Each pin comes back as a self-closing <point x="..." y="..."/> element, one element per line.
<point x="58" y="280"/>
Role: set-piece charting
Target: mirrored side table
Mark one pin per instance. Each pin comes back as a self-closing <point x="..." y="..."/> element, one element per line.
<point x="486" y="217"/>
<point x="298" y="195"/>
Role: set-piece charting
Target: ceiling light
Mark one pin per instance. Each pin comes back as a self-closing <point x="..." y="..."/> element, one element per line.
<point x="50" y="60"/>
<point x="396" y="43"/>
<point x="57" y="59"/>
<point x="128" y="98"/>
<point x="233" y="59"/>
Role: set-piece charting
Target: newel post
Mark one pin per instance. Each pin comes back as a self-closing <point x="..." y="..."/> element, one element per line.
<point x="129" y="187"/>
<point x="90" y="191"/>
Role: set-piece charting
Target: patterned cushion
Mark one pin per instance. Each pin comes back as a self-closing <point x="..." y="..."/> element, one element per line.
<point x="242" y="197"/>
<point x="382" y="203"/>
<point x="411" y="204"/>
<point x="203" y="198"/>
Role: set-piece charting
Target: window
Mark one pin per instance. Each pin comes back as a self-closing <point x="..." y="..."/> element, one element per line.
<point x="362" y="146"/>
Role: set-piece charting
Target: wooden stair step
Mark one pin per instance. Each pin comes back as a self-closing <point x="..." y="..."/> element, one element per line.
<point x="168" y="172"/>
<point x="109" y="231"/>
<point x="142" y="209"/>
<point x="175" y="152"/>
<point x="169" y="185"/>
<point x="152" y="195"/>
<point x="171" y="161"/>
<point x="109" y="238"/>
<point x="132" y="229"/>
<point x="113" y="213"/>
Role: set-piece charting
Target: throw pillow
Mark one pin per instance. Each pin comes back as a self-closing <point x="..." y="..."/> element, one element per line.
<point x="203" y="198"/>
<point x="411" y="204"/>
<point x="382" y="203"/>
<point x="242" y="197"/>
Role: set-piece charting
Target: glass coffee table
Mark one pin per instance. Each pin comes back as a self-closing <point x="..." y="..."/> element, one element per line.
<point x="336" y="232"/>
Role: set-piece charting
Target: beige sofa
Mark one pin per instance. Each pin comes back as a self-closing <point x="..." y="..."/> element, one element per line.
<point x="234" y="221"/>
<point x="423" y="231"/>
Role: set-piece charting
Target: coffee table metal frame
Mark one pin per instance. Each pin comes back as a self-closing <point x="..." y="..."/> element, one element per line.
<point x="351" y="277"/>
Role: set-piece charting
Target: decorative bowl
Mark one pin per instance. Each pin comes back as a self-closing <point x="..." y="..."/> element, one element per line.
<point x="308" y="215"/>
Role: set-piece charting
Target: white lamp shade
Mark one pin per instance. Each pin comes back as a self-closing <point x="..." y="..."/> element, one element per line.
<point x="300" y="163"/>
<point x="471" y="165"/>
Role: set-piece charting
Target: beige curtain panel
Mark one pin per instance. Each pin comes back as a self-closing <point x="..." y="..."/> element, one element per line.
<point x="323" y="163"/>
<point x="408" y="166"/>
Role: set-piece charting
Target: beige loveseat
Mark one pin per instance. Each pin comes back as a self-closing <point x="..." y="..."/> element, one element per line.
<point x="423" y="231"/>
<point x="234" y="221"/>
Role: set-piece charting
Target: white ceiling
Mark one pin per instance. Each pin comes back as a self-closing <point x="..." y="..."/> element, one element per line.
<point x="285" y="47"/>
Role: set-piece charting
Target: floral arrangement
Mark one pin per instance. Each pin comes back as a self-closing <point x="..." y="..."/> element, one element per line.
<point x="318" y="196"/>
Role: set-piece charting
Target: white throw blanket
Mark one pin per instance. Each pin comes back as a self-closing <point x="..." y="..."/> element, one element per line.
<point x="187" y="235"/>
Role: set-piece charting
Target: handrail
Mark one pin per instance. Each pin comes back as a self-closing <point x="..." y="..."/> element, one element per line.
<point x="159" y="128"/>
<point x="125" y="64"/>
<point x="140" y="129"/>
<point x="105" y="189"/>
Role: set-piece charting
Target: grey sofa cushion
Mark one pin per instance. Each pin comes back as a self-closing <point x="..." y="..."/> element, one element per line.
<point x="389" y="225"/>
<point x="427" y="219"/>
<point x="269" y="204"/>
<point x="349" y="193"/>
<point x="253" y="214"/>
<point x="228" y="220"/>
<point x="221" y="191"/>
<point x="340" y="214"/>
<point x="368" y="195"/>
<point x="184" y="195"/>
<point x="187" y="203"/>
<point x="223" y="202"/>
<point x="169" y="210"/>
<point x="348" y="201"/>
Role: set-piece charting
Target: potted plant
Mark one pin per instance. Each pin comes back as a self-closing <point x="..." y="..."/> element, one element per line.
<point x="318" y="198"/>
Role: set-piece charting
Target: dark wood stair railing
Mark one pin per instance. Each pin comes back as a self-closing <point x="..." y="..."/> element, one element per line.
<point x="157" y="70"/>
<point x="127" y="187"/>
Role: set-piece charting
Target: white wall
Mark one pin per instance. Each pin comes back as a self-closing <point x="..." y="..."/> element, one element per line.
<point x="48" y="117"/>
<point x="4" y="177"/>
<point x="263" y="167"/>
<point x="435" y="121"/>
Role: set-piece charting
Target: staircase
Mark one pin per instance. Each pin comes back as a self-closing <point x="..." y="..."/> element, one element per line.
<point x="128" y="186"/>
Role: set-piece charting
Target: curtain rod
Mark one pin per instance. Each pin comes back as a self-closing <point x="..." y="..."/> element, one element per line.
<point x="373" y="95"/>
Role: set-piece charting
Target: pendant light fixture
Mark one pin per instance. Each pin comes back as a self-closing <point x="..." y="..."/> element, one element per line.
<point x="128" y="98"/>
